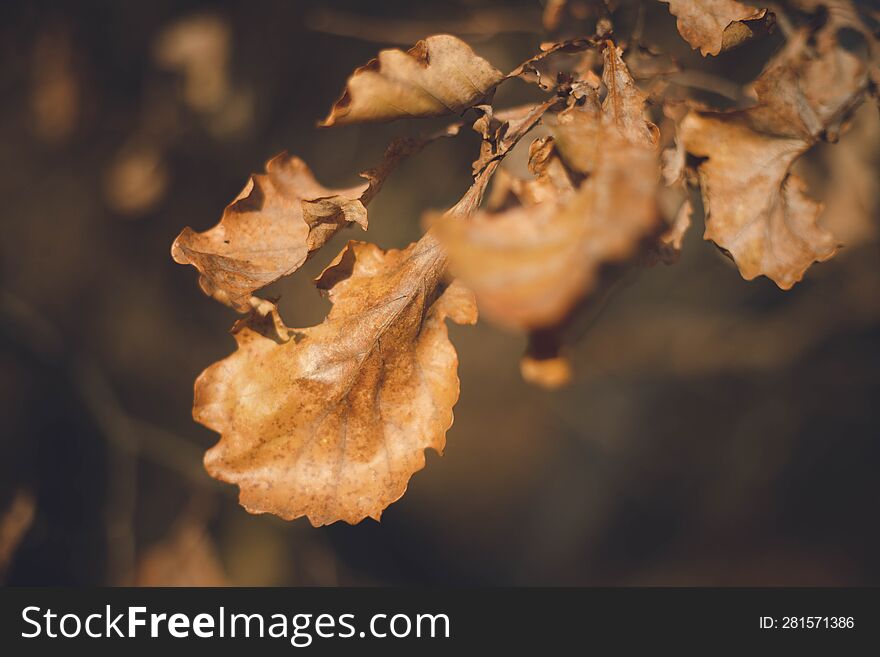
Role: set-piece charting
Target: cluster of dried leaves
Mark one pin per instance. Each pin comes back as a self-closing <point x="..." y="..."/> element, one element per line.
<point x="331" y="421"/>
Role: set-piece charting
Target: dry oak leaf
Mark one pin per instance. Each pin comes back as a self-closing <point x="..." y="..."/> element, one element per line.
<point x="756" y="209"/>
<point x="332" y="423"/>
<point x="582" y="129"/>
<point x="529" y="266"/>
<point x="278" y="220"/>
<point x="438" y="75"/>
<point x="714" y="26"/>
<point x="268" y="231"/>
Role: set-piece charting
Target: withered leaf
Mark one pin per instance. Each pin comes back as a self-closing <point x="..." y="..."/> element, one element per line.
<point x="714" y="26"/>
<point x="582" y="129"/>
<point x="528" y="266"/>
<point x="756" y="209"/>
<point x="268" y="231"/>
<point x="277" y="221"/>
<point x="332" y="423"/>
<point x="438" y="75"/>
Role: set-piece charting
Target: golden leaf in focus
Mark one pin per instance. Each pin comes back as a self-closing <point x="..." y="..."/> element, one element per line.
<point x="714" y="26"/>
<point x="756" y="209"/>
<point x="438" y="75"/>
<point x="332" y="423"/>
<point x="277" y="221"/>
<point x="268" y="231"/>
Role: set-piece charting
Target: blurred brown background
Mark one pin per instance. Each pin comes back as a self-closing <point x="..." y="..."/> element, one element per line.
<point x="718" y="431"/>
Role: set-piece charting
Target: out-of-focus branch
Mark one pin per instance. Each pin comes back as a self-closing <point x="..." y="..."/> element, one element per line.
<point x="155" y="444"/>
<point x="707" y="82"/>
<point x="480" y="24"/>
<point x="128" y="439"/>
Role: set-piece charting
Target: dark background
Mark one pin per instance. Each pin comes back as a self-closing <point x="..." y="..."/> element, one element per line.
<point x="718" y="431"/>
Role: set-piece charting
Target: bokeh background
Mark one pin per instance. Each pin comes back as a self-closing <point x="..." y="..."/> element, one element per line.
<point x="718" y="431"/>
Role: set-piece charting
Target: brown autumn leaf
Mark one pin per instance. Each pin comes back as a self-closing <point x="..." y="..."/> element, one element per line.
<point x="277" y="221"/>
<point x="582" y="129"/>
<point x="715" y="26"/>
<point x="332" y="423"/>
<point x="438" y="75"/>
<point x="531" y="264"/>
<point x="756" y="209"/>
<point x="268" y="231"/>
